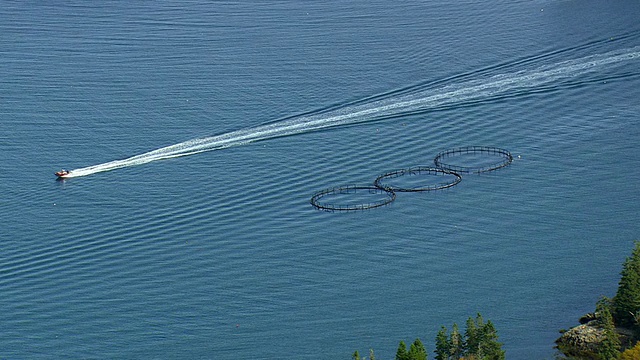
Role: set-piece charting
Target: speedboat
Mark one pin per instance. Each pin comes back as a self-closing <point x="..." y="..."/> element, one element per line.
<point x="62" y="173"/>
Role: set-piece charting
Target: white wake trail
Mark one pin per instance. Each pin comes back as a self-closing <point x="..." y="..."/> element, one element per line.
<point x="449" y="95"/>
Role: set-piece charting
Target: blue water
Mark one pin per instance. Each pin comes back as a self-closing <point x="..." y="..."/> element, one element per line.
<point x="220" y="254"/>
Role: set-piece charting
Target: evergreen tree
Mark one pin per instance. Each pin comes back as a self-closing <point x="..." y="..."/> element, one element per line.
<point x="489" y="348"/>
<point x="402" y="353"/>
<point x="443" y="345"/>
<point x="472" y="335"/>
<point x="417" y="351"/>
<point x="456" y="348"/>
<point x="627" y="299"/>
<point x="610" y="346"/>
<point x="481" y="341"/>
<point x="356" y="355"/>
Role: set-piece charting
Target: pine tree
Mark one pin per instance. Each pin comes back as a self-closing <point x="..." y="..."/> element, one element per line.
<point x="610" y="346"/>
<point x="489" y="348"/>
<point x="402" y="353"/>
<point x="417" y="351"/>
<point x="472" y="335"/>
<point x="481" y="341"/>
<point x="627" y="299"/>
<point x="443" y="345"/>
<point x="456" y="343"/>
<point x="356" y="355"/>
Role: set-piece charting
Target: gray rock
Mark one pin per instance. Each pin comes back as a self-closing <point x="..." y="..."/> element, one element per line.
<point x="582" y="340"/>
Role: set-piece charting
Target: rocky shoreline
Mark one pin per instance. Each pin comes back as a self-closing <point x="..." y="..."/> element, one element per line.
<point x="584" y="340"/>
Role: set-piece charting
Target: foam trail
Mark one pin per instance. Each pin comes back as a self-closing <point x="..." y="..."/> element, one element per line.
<point x="424" y="100"/>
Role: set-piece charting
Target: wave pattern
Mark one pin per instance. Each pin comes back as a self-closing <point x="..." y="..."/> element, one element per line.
<point x="452" y="95"/>
<point x="157" y="266"/>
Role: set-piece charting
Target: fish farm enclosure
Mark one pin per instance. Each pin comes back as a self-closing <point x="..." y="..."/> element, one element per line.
<point x="470" y="159"/>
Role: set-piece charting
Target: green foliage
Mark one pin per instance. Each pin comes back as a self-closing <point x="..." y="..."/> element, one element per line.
<point x="609" y="348"/>
<point x="443" y="345"/>
<point x="356" y="355"/>
<point x="457" y="342"/>
<point x="489" y="348"/>
<point x="402" y="353"/>
<point x="480" y="342"/>
<point x="627" y="299"/>
<point x="417" y="351"/>
<point x="472" y="335"/>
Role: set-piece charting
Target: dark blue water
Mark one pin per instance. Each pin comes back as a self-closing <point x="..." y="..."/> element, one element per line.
<point x="220" y="254"/>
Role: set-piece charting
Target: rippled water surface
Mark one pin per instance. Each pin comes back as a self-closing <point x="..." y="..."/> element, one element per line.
<point x="223" y="120"/>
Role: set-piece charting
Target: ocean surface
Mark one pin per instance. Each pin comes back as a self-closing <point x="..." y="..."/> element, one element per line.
<point x="199" y="131"/>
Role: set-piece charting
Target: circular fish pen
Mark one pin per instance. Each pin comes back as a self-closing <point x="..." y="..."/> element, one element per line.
<point x="343" y="193"/>
<point x="470" y="159"/>
<point x="478" y="159"/>
<point x="450" y="179"/>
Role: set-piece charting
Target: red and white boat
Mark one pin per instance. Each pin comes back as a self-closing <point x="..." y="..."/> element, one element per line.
<point x="62" y="173"/>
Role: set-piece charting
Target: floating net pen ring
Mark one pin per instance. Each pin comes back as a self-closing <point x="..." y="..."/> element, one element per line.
<point x="507" y="158"/>
<point x="316" y="199"/>
<point x="379" y="182"/>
